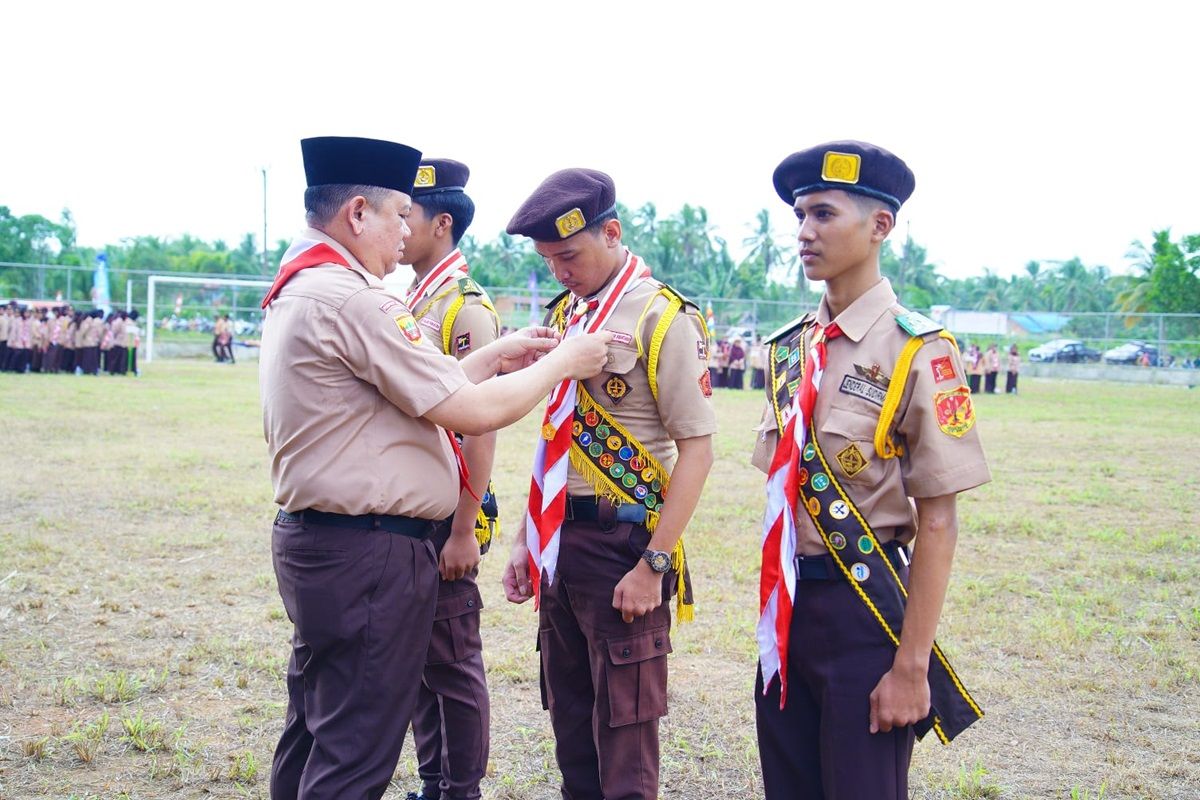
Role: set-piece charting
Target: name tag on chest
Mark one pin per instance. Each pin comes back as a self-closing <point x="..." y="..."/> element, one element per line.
<point x="863" y="388"/>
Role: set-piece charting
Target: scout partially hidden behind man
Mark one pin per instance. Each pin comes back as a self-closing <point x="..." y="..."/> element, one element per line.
<point x="450" y="724"/>
<point x="618" y="469"/>
<point x="866" y="409"/>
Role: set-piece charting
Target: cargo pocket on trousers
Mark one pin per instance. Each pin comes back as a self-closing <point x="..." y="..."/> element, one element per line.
<point x="637" y="677"/>
<point x="455" y="628"/>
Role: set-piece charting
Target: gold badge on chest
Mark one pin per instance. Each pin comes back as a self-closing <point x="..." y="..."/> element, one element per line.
<point x="852" y="460"/>
<point x="616" y="388"/>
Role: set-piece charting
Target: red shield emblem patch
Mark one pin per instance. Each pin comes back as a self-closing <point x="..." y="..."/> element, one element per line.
<point x="706" y="384"/>
<point x="408" y="327"/>
<point x="955" y="414"/>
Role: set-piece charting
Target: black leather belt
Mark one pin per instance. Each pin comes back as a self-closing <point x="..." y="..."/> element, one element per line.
<point x="406" y="526"/>
<point x="824" y="568"/>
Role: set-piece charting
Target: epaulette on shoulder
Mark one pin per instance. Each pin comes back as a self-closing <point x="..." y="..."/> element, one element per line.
<point x="788" y="328"/>
<point x="557" y="299"/>
<point x="686" y="302"/>
<point x="468" y="286"/>
<point x="914" y="323"/>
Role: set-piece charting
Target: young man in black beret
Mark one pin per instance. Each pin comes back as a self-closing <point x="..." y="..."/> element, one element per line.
<point x="450" y="724"/>
<point x="866" y="409"/>
<point x="618" y="469"/>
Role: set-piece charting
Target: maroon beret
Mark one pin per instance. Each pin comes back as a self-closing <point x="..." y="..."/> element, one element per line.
<point x="439" y="175"/>
<point x="847" y="165"/>
<point x="567" y="202"/>
<point x="359" y="162"/>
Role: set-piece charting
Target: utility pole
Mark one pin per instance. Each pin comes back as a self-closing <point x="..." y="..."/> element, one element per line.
<point x="265" y="270"/>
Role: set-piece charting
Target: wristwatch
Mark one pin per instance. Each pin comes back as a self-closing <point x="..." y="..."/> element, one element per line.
<point x="659" y="560"/>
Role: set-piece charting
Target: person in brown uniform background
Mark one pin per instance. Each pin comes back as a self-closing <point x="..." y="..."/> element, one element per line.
<point x="357" y="403"/>
<point x="604" y="625"/>
<point x="450" y="724"/>
<point x="855" y="692"/>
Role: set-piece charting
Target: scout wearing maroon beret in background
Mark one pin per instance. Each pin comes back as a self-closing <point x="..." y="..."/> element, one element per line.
<point x="357" y="404"/>
<point x="618" y="469"/>
<point x="871" y="404"/>
<point x="450" y="724"/>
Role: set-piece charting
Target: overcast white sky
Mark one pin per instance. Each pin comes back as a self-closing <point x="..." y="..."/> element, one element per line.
<point x="1037" y="130"/>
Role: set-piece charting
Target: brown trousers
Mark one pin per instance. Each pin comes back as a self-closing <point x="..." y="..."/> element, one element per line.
<point x="604" y="681"/>
<point x="819" y="747"/>
<point x="453" y="714"/>
<point x="362" y="602"/>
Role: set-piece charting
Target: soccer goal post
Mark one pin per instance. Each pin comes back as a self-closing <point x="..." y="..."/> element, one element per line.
<point x="154" y="280"/>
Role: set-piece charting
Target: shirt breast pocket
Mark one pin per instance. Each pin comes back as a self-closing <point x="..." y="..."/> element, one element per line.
<point x="848" y="444"/>
<point x="618" y="385"/>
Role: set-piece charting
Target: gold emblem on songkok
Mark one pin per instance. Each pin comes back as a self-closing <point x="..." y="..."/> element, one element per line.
<point x="426" y="177"/>
<point x="570" y="222"/>
<point x="841" y="167"/>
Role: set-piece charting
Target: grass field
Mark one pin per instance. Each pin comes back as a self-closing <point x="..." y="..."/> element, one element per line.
<point x="142" y="641"/>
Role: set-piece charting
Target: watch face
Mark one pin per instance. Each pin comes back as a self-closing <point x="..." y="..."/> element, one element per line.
<point x="660" y="562"/>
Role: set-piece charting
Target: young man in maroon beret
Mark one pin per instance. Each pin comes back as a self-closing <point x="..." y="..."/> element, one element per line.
<point x="619" y="465"/>
<point x="866" y="409"/>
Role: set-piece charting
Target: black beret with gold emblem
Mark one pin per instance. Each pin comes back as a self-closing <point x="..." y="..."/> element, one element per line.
<point x="360" y="162"/>
<point x="566" y="203"/>
<point x="440" y="175"/>
<point x="847" y="165"/>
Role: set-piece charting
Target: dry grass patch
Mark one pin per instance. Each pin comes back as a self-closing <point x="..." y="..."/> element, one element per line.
<point x="142" y="642"/>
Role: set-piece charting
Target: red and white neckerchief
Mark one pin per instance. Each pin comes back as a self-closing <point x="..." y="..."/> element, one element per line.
<point x="548" y="489"/>
<point x="777" y="583"/>
<point x="453" y="265"/>
<point x="302" y="254"/>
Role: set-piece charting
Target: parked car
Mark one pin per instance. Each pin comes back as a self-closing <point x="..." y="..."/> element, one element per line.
<point x="1069" y="350"/>
<point x="1131" y="353"/>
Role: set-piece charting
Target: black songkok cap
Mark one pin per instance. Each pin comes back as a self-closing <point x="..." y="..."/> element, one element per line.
<point x="439" y="175"/>
<point x="567" y="202"/>
<point x="847" y="165"/>
<point x="360" y="162"/>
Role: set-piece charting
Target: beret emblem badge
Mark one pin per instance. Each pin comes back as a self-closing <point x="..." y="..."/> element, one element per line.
<point x="841" y="167"/>
<point x="570" y="222"/>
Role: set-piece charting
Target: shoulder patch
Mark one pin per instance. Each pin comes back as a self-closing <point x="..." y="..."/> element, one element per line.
<point x="915" y="324"/>
<point x="788" y="328"/>
<point x="468" y="286"/>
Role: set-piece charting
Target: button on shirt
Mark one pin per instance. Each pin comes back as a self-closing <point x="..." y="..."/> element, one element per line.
<point x="345" y="375"/>
<point x="858" y="371"/>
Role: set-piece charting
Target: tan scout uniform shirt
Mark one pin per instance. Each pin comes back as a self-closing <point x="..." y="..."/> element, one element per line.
<point x="5" y="320"/>
<point x="343" y="389"/>
<point x="90" y="332"/>
<point x="683" y="409"/>
<point x="934" y="463"/>
<point x="474" y="326"/>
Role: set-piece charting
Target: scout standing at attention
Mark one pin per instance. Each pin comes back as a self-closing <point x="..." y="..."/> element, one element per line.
<point x="871" y="405"/>
<point x="357" y="404"/>
<point x="450" y="725"/>
<point x="617" y="472"/>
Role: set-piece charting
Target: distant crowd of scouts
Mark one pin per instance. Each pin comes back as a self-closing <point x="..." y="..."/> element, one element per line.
<point x="63" y="339"/>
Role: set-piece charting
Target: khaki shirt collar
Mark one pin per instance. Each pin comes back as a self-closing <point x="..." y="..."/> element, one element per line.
<point x="319" y="236"/>
<point x="863" y="313"/>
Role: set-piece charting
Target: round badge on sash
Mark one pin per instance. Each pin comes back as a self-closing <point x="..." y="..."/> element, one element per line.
<point x="860" y="572"/>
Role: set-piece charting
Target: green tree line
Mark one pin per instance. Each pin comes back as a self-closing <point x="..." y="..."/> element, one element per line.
<point x="684" y="250"/>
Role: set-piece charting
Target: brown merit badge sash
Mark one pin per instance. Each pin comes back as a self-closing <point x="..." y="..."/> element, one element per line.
<point x="858" y="553"/>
